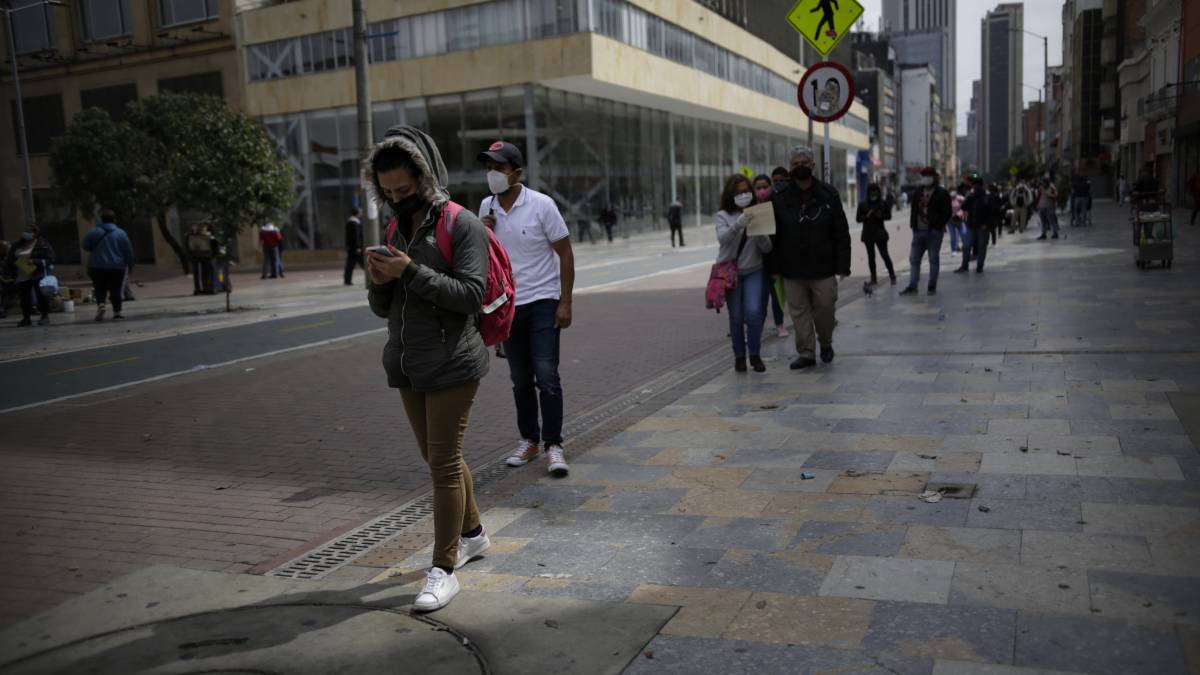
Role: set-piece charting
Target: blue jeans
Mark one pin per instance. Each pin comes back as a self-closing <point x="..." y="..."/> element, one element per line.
<point x="532" y="351"/>
<point x="272" y="262"/>
<point x="747" y="311"/>
<point x="977" y="239"/>
<point x="922" y="241"/>
<point x="955" y="233"/>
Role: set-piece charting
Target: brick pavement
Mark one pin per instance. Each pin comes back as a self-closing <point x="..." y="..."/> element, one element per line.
<point x="1061" y="385"/>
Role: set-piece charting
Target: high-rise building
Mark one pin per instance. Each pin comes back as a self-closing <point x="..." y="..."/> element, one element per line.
<point x="923" y="31"/>
<point x="920" y="111"/>
<point x="968" y="147"/>
<point x="1000" y="107"/>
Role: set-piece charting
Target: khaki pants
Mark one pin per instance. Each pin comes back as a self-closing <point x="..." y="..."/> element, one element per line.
<point x="439" y="421"/>
<point x="811" y="304"/>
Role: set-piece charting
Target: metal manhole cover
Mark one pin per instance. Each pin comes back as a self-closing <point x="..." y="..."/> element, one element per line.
<point x="268" y="639"/>
<point x="953" y="490"/>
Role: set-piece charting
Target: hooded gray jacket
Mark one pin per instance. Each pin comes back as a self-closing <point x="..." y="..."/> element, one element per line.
<point x="432" y="309"/>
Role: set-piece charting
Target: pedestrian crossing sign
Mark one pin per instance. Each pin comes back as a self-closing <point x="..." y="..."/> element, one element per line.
<point x="824" y="22"/>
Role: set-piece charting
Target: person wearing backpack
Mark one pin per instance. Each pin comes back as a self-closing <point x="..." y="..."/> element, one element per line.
<point x="111" y="256"/>
<point x="535" y="236"/>
<point x="435" y="354"/>
<point x="1022" y="198"/>
<point x="746" y="300"/>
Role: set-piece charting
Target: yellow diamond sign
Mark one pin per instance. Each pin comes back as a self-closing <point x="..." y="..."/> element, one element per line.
<point x="824" y="22"/>
<point x="747" y="171"/>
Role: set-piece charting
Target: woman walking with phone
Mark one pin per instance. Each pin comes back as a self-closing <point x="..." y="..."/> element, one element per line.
<point x="434" y="355"/>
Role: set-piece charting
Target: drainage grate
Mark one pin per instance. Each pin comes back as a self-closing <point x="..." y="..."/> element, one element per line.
<point x="321" y="561"/>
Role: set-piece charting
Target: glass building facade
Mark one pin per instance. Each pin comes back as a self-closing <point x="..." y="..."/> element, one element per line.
<point x="590" y="152"/>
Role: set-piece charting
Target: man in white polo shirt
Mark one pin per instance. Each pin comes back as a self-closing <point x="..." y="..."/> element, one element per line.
<point x="533" y="232"/>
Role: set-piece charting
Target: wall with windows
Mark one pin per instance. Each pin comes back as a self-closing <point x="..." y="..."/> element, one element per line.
<point x="104" y="53"/>
<point x="591" y="152"/>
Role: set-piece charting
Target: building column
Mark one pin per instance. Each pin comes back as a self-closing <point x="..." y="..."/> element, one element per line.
<point x="671" y="145"/>
<point x="696" y="164"/>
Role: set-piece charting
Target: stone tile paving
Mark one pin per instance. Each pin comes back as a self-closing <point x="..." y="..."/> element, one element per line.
<point x="1042" y="384"/>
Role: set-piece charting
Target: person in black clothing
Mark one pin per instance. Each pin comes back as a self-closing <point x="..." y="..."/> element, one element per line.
<point x="608" y="218"/>
<point x="982" y="211"/>
<point x="780" y="179"/>
<point x="931" y="210"/>
<point x="354" y="245"/>
<point x="874" y="214"/>
<point x="812" y="249"/>
<point x="675" y="220"/>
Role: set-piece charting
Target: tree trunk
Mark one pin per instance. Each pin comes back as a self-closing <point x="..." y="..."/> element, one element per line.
<point x="170" y="239"/>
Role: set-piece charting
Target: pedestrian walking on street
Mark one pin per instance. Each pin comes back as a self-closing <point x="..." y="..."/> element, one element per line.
<point x="1022" y="199"/>
<point x="608" y="219"/>
<point x="764" y="188"/>
<point x="930" y="215"/>
<point x="29" y="260"/>
<point x="747" y="300"/>
<point x="270" y="239"/>
<point x="675" y="222"/>
<point x="812" y="249"/>
<point x="202" y="248"/>
<point x="874" y="214"/>
<point x="1081" y="201"/>
<point x="982" y="210"/>
<point x="533" y="232"/>
<point x="1123" y="190"/>
<point x="354" y="246"/>
<point x="956" y="227"/>
<point x="1048" y="208"/>
<point x="111" y="256"/>
<point x="434" y="354"/>
<point x="1000" y="204"/>
<point x="780" y="177"/>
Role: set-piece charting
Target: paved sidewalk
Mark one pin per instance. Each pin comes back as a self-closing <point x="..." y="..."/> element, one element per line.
<point x="1056" y="401"/>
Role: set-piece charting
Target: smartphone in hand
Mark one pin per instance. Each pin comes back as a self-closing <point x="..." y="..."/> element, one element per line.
<point x="381" y="251"/>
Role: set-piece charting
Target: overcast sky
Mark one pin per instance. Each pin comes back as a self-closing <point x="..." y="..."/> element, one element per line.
<point x="1041" y="16"/>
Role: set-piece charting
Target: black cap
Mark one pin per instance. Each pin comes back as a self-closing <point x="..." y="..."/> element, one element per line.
<point x="502" y="152"/>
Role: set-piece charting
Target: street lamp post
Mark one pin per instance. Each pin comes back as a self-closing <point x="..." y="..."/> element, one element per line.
<point x="30" y="216"/>
<point x="1045" y="78"/>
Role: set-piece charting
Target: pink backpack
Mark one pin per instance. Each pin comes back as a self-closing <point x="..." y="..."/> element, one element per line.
<point x="499" y="304"/>
<point x="721" y="279"/>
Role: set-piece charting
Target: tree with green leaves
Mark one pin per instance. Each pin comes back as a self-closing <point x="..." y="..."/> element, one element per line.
<point x="1027" y="164"/>
<point x="174" y="150"/>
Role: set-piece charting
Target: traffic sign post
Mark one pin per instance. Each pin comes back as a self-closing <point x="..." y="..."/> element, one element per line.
<point x="825" y="94"/>
<point x="824" y="22"/>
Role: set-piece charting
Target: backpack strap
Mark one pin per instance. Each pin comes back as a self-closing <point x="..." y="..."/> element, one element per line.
<point x="442" y="230"/>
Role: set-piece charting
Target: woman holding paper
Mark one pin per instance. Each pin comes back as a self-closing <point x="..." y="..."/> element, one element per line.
<point x="744" y="250"/>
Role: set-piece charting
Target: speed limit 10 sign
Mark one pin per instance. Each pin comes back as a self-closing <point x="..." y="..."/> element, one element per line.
<point x="826" y="91"/>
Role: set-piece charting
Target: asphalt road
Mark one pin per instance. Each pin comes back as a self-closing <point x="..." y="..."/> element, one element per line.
<point x="68" y="374"/>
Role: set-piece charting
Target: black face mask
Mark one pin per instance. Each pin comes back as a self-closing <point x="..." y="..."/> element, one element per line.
<point x="780" y="185"/>
<point x="802" y="172"/>
<point x="405" y="208"/>
<point x="873" y="196"/>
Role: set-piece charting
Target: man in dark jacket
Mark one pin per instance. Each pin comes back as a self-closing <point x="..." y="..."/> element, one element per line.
<point x="931" y="210"/>
<point x="675" y="221"/>
<point x="812" y="249"/>
<point x="354" y="245"/>
<point x="982" y="211"/>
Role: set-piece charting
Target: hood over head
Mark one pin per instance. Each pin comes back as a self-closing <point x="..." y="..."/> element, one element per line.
<point x="424" y="152"/>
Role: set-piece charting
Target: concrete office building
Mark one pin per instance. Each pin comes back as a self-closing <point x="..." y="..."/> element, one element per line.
<point x="968" y="145"/>
<point x="104" y="53"/>
<point x="633" y="104"/>
<point x="921" y="106"/>
<point x="923" y="31"/>
<point x="1001" y="104"/>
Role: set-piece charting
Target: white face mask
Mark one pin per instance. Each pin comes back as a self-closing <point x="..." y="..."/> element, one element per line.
<point x="497" y="182"/>
<point x="743" y="200"/>
<point x="926" y="180"/>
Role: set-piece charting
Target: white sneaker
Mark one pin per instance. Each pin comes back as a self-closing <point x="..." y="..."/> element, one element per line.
<point x="440" y="589"/>
<point x="557" y="466"/>
<point x="524" y="454"/>
<point x="471" y="547"/>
